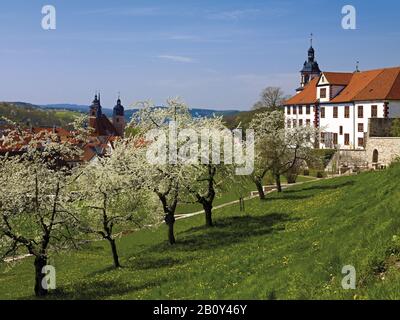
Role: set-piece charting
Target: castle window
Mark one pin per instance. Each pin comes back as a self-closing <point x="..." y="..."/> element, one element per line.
<point x="374" y="111"/>
<point x="300" y="109"/>
<point x="361" y="127"/>
<point x="322" y="112"/>
<point x="117" y="119"/>
<point x="322" y="93"/>
<point x="289" y="124"/>
<point x="308" y="110"/>
<point x="360" y="111"/>
<point x="347" y="112"/>
<point x="288" y="109"/>
<point x="335" y="112"/>
<point x="294" y="110"/>
<point x="308" y="122"/>
<point x="361" y="142"/>
<point x="346" y="139"/>
<point x="301" y="122"/>
<point x="335" y="138"/>
<point x="341" y="130"/>
<point x="322" y="137"/>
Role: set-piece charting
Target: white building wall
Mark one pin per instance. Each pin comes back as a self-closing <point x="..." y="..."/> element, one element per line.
<point x="295" y="118"/>
<point x="350" y="125"/>
<point x="329" y="124"/>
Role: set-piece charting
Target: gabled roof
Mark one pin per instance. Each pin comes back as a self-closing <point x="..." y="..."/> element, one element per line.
<point x="307" y="96"/>
<point x="338" y="78"/>
<point x="103" y="126"/>
<point x="380" y="84"/>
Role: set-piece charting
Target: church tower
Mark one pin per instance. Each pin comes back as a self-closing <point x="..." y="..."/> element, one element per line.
<point x="94" y="111"/>
<point x="310" y="68"/>
<point x="119" y="118"/>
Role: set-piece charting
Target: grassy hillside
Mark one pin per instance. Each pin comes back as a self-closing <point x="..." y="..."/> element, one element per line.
<point x="292" y="246"/>
<point x="30" y="114"/>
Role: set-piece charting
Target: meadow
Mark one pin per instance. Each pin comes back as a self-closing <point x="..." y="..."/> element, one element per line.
<point x="291" y="246"/>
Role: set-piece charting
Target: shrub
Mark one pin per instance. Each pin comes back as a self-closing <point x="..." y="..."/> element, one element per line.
<point x="306" y="172"/>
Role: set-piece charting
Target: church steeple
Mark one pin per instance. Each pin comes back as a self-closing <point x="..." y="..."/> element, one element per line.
<point x="311" y="52"/>
<point x="94" y="108"/>
<point x="119" y="118"/>
<point x="99" y="111"/>
<point x="310" y="68"/>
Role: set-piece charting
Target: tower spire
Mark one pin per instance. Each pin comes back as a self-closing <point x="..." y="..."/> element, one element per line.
<point x="311" y="39"/>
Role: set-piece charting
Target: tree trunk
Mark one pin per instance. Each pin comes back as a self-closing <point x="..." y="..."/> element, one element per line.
<point x="40" y="262"/>
<point x="170" y="221"/>
<point x="260" y="189"/>
<point x="208" y="211"/>
<point x="114" y="252"/>
<point x="278" y="182"/>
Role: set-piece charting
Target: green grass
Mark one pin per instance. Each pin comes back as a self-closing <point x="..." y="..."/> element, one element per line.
<point x="291" y="246"/>
<point x="234" y="192"/>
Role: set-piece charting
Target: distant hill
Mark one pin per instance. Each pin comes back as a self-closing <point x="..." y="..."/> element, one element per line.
<point x="63" y="114"/>
<point x="30" y="114"/>
<point x="196" y="112"/>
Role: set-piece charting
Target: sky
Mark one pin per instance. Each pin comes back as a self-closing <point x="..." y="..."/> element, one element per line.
<point x="216" y="54"/>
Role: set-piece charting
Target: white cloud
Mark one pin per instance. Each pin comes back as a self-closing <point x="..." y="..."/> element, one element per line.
<point x="234" y="14"/>
<point x="183" y="37"/>
<point x="177" y="58"/>
<point x="133" y="12"/>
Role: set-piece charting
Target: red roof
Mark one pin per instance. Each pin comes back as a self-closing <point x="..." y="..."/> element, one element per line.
<point x="338" y="78"/>
<point x="307" y="96"/>
<point x="103" y="127"/>
<point x="380" y="84"/>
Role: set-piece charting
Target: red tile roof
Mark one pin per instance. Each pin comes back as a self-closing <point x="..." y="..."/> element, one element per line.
<point x="338" y="78"/>
<point x="380" y="84"/>
<point x="307" y="96"/>
<point x="103" y="127"/>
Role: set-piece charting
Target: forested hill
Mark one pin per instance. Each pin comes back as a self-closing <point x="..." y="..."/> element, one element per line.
<point x="29" y="114"/>
<point x="196" y="112"/>
<point x="63" y="114"/>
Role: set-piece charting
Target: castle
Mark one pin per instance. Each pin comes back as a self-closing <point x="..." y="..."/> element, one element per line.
<point x="341" y="104"/>
<point x="352" y="111"/>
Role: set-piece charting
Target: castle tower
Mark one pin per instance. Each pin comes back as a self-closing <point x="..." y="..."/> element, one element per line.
<point x="310" y="68"/>
<point x="119" y="118"/>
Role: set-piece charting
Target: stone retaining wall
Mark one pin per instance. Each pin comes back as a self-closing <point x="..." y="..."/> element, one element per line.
<point x="388" y="149"/>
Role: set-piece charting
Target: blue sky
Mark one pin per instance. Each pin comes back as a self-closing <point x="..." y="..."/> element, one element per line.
<point x="213" y="53"/>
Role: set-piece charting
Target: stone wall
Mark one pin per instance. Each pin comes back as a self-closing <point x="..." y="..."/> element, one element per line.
<point x="388" y="149"/>
<point x="348" y="159"/>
